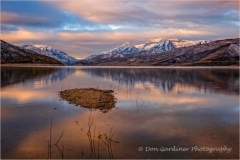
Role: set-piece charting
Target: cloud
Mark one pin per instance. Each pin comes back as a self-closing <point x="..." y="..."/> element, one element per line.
<point x="8" y="28"/>
<point x="42" y="16"/>
<point x="24" y="35"/>
<point x="14" y="19"/>
<point x="87" y="27"/>
<point x="151" y="13"/>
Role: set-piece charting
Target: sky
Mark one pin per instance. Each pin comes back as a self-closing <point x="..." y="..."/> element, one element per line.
<point x="82" y="28"/>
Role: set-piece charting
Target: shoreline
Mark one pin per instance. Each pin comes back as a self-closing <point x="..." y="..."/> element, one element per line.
<point x="28" y="64"/>
<point x="52" y="65"/>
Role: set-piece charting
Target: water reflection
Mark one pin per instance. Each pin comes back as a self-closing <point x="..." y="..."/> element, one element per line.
<point x="38" y="76"/>
<point x="165" y="80"/>
<point x="155" y="107"/>
<point x="12" y="75"/>
<point x="204" y="80"/>
<point x="55" y="77"/>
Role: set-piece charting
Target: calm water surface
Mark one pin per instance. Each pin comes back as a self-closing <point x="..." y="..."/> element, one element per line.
<point x="156" y="107"/>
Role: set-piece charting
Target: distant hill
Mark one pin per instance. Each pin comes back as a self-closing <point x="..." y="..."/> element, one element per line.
<point x="51" y="52"/>
<point x="202" y="53"/>
<point x="15" y="54"/>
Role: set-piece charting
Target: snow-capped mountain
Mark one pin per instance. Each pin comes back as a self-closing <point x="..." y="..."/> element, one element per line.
<point x="151" y="46"/>
<point x="94" y="55"/>
<point x="161" y="44"/>
<point x="185" y="43"/>
<point x="215" y="53"/>
<point x="125" y="48"/>
<point x="51" y="52"/>
<point x="36" y="50"/>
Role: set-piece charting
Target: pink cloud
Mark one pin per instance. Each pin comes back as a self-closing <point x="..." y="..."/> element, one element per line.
<point x="24" y="35"/>
<point x="13" y="18"/>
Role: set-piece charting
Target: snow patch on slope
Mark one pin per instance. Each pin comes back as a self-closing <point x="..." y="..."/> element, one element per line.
<point x="152" y="46"/>
<point x="51" y="52"/>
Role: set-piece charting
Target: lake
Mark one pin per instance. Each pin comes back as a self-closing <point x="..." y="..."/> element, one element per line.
<point x="159" y="113"/>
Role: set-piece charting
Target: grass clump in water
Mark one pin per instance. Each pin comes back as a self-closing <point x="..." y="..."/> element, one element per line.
<point x="93" y="98"/>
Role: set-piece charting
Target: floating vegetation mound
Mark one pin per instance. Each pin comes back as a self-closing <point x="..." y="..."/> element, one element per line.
<point x="100" y="99"/>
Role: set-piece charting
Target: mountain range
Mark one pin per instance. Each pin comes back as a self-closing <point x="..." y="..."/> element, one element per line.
<point x="151" y="46"/>
<point x="155" y="52"/>
<point x="167" y="52"/>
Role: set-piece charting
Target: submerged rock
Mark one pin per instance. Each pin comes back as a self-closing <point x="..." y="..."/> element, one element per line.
<point x="100" y="99"/>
